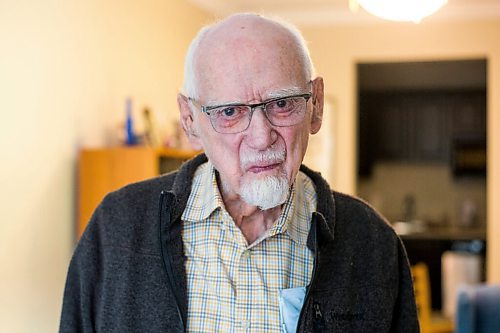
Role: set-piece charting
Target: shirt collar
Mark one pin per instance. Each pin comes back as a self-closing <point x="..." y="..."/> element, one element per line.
<point x="295" y="218"/>
<point x="205" y="197"/>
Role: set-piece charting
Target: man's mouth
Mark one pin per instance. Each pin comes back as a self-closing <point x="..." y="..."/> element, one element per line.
<point x="263" y="161"/>
<point x="262" y="167"/>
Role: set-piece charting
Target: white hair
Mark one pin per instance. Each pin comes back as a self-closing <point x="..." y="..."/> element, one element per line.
<point x="266" y="193"/>
<point x="189" y="87"/>
<point x="269" y="191"/>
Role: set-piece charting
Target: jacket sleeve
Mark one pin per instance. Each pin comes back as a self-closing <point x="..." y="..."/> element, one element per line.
<point x="82" y="282"/>
<point x="405" y="312"/>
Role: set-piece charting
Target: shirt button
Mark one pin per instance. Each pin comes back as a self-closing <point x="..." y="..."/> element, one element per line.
<point x="245" y="255"/>
<point x="222" y="226"/>
<point x="245" y="324"/>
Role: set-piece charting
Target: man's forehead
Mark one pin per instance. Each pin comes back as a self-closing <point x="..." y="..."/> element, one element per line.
<point x="248" y="58"/>
<point x="245" y="25"/>
<point x="244" y="29"/>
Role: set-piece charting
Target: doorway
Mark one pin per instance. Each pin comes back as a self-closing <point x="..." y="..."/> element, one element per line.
<point x="422" y="155"/>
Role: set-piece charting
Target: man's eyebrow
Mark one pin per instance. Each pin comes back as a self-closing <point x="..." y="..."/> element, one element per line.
<point x="213" y="103"/>
<point x="284" y="92"/>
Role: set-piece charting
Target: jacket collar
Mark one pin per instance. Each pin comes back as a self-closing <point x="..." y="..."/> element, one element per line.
<point x="181" y="187"/>
<point x="323" y="221"/>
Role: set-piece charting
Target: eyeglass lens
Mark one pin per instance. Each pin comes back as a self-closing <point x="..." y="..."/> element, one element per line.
<point x="236" y="118"/>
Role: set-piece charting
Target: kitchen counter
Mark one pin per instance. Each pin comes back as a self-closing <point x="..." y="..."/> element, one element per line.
<point x="445" y="233"/>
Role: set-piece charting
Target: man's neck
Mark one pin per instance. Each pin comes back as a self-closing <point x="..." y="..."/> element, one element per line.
<point x="252" y="221"/>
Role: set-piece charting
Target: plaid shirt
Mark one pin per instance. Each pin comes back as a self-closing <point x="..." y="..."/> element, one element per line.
<point x="233" y="286"/>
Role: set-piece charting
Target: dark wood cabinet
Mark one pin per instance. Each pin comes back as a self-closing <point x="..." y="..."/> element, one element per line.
<point x="417" y="126"/>
<point x="391" y="138"/>
<point x="468" y="116"/>
<point x="429" y="129"/>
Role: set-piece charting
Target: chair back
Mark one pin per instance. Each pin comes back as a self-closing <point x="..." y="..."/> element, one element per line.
<point x="422" y="290"/>
<point x="478" y="309"/>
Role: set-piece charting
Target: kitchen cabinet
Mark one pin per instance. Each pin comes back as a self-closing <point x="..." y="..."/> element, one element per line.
<point x="428" y="130"/>
<point x="417" y="127"/>
<point x="390" y="130"/>
<point x="101" y="171"/>
<point x="383" y="128"/>
<point x="468" y="116"/>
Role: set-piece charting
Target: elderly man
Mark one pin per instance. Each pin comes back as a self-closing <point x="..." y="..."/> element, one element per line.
<point x="245" y="239"/>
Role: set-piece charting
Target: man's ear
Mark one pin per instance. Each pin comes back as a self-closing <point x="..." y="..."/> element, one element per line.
<point x="187" y="122"/>
<point x="317" y="100"/>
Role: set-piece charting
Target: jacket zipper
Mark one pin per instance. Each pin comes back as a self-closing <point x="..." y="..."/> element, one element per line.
<point x="315" y="267"/>
<point x="167" y="256"/>
<point x="318" y="321"/>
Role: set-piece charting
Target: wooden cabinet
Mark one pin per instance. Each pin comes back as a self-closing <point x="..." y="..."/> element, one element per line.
<point x="390" y="131"/>
<point x="468" y="116"/>
<point x="101" y="171"/>
<point x="417" y="126"/>
<point x="429" y="129"/>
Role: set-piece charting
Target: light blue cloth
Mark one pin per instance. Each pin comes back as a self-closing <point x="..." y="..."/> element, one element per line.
<point x="291" y="301"/>
<point x="478" y="309"/>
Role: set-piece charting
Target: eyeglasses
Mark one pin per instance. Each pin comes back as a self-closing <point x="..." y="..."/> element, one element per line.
<point x="235" y="118"/>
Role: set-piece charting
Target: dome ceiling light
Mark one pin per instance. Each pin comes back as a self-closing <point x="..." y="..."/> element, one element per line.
<point x="399" y="10"/>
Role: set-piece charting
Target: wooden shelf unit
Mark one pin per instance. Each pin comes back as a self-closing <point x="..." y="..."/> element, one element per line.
<point x="103" y="170"/>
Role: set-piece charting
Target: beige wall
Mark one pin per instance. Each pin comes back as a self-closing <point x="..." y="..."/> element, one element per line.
<point x="336" y="51"/>
<point x="66" y="68"/>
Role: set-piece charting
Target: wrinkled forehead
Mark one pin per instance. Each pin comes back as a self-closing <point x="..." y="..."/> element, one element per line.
<point x="248" y="48"/>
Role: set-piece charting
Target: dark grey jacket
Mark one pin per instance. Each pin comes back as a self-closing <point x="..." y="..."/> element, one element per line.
<point x="127" y="273"/>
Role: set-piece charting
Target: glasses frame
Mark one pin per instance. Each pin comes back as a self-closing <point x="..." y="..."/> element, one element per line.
<point x="207" y="108"/>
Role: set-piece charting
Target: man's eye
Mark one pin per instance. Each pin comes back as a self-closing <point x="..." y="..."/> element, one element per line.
<point x="228" y="112"/>
<point x="282" y="106"/>
<point x="282" y="103"/>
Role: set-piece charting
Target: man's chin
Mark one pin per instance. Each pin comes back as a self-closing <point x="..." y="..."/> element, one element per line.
<point x="265" y="192"/>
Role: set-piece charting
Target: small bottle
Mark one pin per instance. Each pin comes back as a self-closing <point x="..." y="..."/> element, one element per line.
<point x="150" y="131"/>
<point x="130" y="137"/>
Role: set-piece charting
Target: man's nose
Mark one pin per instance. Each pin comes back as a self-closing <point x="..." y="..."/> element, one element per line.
<point x="260" y="133"/>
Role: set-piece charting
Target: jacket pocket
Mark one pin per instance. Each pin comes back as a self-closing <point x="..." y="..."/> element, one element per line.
<point x="352" y="309"/>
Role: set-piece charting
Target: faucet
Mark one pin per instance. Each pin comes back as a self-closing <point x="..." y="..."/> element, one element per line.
<point x="409" y="208"/>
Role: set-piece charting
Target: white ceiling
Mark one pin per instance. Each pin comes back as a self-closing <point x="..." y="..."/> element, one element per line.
<point x="336" y="12"/>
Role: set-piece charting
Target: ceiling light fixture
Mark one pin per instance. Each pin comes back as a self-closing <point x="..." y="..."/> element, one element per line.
<point x="399" y="10"/>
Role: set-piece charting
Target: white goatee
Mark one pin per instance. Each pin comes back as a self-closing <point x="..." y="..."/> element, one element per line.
<point x="268" y="191"/>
